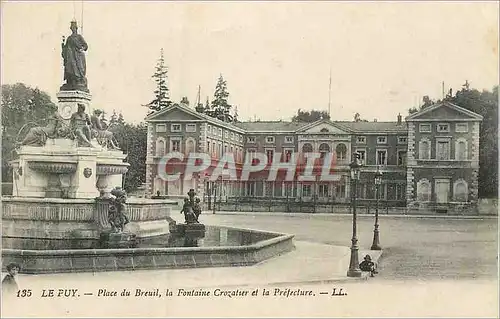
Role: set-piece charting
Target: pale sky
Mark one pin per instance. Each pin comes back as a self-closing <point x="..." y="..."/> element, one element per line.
<point x="275" y="56"/>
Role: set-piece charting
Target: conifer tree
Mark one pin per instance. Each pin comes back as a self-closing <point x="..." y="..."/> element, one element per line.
<point x="162" y="96"/>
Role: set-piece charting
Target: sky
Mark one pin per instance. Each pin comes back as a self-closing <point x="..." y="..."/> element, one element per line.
<point x="277" y="57"/>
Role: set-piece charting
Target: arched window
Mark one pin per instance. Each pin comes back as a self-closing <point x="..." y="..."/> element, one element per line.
<point x="341" y="151"/>
<point x="423" y="190"/>
<point x="460" y="191"/>
<point x="424" y="149"/>
<point x="323" y="149"/>
<point x="461" y="150"/>
<point x="190" y="146"/>
<point x="307" y="148"/>
<point x="160" y="147"/>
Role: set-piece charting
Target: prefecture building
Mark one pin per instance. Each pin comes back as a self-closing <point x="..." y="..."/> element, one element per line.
<point x="430" y="160"/>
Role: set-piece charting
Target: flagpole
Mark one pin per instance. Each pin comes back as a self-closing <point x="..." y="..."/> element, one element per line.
<point x="330" y="93"/>
<point x="82" y="18"/>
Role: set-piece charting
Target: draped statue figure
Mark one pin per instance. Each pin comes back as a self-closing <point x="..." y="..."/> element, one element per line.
<point x="75" y="67"/>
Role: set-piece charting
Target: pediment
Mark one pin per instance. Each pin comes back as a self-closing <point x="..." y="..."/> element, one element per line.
<point x="323" y="127"/>
<point x="444" y="111"/>
<point x="175" y="113"/>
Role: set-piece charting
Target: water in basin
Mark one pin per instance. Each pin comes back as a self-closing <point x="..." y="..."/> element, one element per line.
<point x="215" y="236"/>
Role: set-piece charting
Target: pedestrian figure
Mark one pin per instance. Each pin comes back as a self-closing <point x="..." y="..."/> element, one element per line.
<point x="9" y="284"/>
<point x="368" y="265"/>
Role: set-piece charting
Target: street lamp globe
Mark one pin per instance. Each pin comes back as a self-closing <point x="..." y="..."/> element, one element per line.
<point x="378" y="176"/>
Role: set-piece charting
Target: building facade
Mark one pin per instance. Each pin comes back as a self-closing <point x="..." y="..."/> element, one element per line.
<point x="429" y="161"/>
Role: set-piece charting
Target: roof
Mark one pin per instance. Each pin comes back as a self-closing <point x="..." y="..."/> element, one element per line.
<point x="188" y="110"/>
<point x="441" y="104"/>
<point x="350" y="126"/>
<point x="373" y="126"/>
<point x="288" y="126"/>
<point x="271" y="126"/>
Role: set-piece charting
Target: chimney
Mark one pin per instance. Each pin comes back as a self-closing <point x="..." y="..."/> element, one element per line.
<point x="399" y="119"/>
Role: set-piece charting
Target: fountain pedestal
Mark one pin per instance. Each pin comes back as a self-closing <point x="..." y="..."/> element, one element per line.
<point x="194" y="230"/>
<point x="110" y="239"/>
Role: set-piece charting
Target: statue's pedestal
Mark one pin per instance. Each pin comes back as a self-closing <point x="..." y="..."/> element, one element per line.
<point x="69" y="100"/>
<point x="110" y="239"/>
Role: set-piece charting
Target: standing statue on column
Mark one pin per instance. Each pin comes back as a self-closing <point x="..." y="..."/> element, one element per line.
<point x="75" y="67"/>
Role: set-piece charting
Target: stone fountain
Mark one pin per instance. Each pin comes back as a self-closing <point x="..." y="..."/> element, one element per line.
<point x="65" y="171"/>
<point x="68" y="212"/>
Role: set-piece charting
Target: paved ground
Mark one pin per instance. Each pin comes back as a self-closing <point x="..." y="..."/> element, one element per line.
<point x="414" y="248"/>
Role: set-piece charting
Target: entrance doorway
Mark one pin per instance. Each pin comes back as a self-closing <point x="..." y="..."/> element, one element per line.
<point x="442" y="191"/>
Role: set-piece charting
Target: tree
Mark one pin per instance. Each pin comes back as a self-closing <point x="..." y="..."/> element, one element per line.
<point x="484" y="103"/>
<point x="310" y="116"/>
<point x="220" y="108"/>
<point x="426" y="102"/>
<point x="133" y="141"/>
<point x="113" y="119"/>
<point x="162" y="96"/>
<point x="357" y="118"/>
<point x="22" y="106"/>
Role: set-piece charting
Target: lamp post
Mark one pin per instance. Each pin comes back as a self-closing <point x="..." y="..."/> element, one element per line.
<point x="354" y="270"/>
<point x="378" y="181"/>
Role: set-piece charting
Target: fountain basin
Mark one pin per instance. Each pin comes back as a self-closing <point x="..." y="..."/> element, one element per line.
<point x="56" y="218"/>
<point x="236" y="247"/>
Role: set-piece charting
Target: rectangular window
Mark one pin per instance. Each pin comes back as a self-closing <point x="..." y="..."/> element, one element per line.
<point x="288" y="139"/>
<point x="323" y="190"/>
<point x="250" y="155"/>
<point x="214" y="150"/>
<point x="402" y="140"/>
<point x="382" y="140"/>
<point x="401" y="158"/>
<point x="225" y="149"/>
<point x="361" y="191"/>
<point x="361" y="140"/>
<point x="250" y="191"/>
<point x="226" y="134"/>
<point x="381" y="157"/>
<point x="306" y="191"/>
<point x="362" y="155"/>
<point x="288" y="155"/>
<point x="232" y="136"/>
<point x="241" y="138"/>
<point x="340" y="191"/>
<point x="443" y="127"/>
<point x="176" y="146"/>
<point x="175" y="128"/>
<point x="190" y="128"/>
<point x="269" y="154"/>
<point x="208" y="147"/>
<point x="220" y="132"/>
<point x="382" y="191"/>
<point x="270" y="139"/>
<point x="425" y="128"/>
<point x="209" y="129"/>
<point x="443" y="150"/>
<point x="461" y="127"/>
<point x="251" y="139"/>
<point x="400" y="191"/>
<point x="160" y="128"/>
